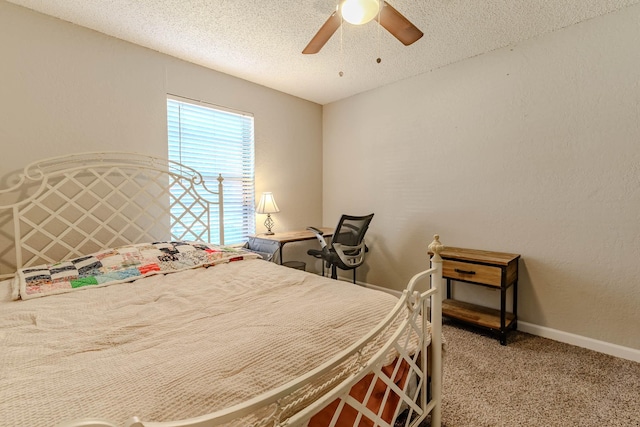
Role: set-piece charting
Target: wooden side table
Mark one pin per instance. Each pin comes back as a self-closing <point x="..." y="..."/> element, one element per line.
<point x="484" y="268"/>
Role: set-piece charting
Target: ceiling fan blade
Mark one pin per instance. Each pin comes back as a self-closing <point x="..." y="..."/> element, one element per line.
<point x="324" y="34"/>
<point x="399" y="26"/>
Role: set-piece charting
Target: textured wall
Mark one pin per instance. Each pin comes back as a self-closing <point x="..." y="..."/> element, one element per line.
<point x="66" y="89"/>
<point x="531" y="149"/>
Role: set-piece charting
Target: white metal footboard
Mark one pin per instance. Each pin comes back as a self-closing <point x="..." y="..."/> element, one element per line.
<point x="409" y="336"/>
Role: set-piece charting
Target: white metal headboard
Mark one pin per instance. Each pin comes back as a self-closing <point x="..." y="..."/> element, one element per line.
<point x="68" y="206"/>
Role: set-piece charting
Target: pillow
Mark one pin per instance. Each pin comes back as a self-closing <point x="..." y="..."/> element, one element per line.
<point x="120" y="265"/>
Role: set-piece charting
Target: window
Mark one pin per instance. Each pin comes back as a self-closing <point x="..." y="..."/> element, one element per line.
<point x="215" y="141"/>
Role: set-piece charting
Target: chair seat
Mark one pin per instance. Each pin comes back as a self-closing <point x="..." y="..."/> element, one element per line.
<point x="316" y="253"/>
<point x="330" y="257"/>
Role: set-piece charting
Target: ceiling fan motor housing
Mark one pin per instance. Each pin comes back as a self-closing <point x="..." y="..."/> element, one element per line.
<point x="359" y="12"/>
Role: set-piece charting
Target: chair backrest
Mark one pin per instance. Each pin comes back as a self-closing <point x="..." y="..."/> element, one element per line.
<point x="351" y="229"/>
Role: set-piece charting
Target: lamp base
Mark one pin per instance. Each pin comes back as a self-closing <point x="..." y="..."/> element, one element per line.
<point x="269" y="224"/>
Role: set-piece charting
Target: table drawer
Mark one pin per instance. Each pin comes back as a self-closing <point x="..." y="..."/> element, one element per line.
<point x="484" y="274"/>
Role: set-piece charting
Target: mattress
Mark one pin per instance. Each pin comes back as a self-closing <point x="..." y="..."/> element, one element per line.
<point x="174" y="346"/>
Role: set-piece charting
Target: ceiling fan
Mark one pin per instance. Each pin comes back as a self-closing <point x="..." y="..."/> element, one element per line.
<point x="360" y="12"/>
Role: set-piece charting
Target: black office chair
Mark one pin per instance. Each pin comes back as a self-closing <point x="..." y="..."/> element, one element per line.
<point x="347" y="247"/>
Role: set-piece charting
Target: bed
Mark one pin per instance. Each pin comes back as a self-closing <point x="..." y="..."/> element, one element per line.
<point x="120" y="305"/>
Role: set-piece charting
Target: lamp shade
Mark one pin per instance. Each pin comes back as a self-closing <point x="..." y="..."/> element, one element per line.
<point x="267" y="204"/>
<point x="359" y="12"/>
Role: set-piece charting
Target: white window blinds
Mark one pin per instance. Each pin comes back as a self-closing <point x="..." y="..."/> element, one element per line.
<point x="214" y="141"/>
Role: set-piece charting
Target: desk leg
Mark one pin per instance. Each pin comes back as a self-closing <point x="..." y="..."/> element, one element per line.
<point x="281" y="248"/>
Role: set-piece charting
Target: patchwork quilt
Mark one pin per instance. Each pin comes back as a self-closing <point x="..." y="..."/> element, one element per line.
<point x="122" y="264"/>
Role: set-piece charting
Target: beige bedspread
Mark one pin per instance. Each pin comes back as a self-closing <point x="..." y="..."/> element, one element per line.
<point x="175" y="346"/>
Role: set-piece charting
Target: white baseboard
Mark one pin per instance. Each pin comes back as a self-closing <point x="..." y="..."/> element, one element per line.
<point x="556" y="335"/>
<point x="580" y="341"/>
<point x="380" y="288"/>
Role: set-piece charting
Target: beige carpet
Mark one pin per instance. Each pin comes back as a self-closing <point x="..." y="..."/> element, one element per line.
<point x="534" y="381"/>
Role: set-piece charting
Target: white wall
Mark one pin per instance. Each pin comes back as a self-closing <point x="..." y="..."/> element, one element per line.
<point x="533" y="150"/>
<point x="66" y="89"/>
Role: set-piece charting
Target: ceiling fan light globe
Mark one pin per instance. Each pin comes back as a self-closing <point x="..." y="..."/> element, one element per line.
<point x="359" y="12"/>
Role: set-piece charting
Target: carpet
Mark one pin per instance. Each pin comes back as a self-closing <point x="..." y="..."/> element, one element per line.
<point x="534" y="381"/>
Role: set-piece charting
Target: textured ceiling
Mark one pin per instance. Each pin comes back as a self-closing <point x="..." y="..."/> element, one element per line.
<point x="261" y="41"/>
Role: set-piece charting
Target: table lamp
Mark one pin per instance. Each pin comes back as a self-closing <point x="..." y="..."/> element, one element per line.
<point x="267" y="205"/>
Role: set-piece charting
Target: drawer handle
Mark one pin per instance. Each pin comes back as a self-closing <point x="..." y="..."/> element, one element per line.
<point x="457" y="270"/>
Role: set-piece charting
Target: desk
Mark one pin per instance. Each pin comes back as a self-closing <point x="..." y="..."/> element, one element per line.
<point x="293" y="236"/>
